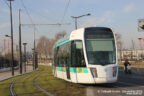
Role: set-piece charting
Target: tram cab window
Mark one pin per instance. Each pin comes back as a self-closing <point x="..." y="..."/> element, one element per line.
<point x="77" y="54"/>
<point x="100" y="46"/>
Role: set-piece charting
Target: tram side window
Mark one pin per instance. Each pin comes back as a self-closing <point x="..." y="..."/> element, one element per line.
<point x="77" y="54"/>
<point x="55" y="56"/>
<point x="68" y="54"/>
<point x="63" y="55"/>
<point x="58" y="57"/>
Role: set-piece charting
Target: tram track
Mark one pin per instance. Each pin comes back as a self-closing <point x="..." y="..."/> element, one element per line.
<point x="12" y="87"/>
<point x="12" y="91"/>
<point x="38" y="87"/>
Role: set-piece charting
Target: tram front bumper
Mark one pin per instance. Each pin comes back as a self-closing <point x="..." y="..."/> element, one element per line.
<point x="105" y="80"/>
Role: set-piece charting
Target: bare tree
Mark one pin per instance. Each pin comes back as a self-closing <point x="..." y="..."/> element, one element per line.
<point x="59" y="35"/>
<point x="41" y="46"/>
<point x="45" y="44"/>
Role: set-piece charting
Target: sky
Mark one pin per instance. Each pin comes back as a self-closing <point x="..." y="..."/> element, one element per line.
<point x="120" y="15"/>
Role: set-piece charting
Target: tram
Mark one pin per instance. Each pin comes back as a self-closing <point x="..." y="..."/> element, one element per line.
<point x="87" y="55"/>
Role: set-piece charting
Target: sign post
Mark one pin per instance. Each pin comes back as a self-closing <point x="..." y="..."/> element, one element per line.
<point x="140" y="29"/>
<point x="140" y="25"/>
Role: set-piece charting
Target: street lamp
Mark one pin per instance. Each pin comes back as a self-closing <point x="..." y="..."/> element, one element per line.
<point x="8" y="42"/>
<point x="76" y="17"/>
<point x="25" y="54"/>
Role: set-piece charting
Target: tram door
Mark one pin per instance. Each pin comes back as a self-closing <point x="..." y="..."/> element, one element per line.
<point x="68" y="72"/>
<point x="67" y="69"/>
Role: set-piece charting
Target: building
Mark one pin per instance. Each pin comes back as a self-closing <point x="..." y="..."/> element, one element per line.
<point x="131" y="54"/>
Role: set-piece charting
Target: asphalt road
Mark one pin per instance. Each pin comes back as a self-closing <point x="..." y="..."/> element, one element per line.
<point x="127" y="85"/>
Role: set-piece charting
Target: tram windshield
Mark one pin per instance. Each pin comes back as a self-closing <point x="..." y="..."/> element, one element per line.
<point x="100" y="46"/>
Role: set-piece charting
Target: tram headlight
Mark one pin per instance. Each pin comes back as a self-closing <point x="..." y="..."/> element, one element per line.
<point x="94" y="72"/>
<point x="114" y="71"/>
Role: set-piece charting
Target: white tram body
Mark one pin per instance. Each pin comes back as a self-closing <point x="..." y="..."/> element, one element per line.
<point x="87" y="55"/>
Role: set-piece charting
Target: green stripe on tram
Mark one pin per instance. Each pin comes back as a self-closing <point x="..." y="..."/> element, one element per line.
<point x="62" y="43"/>
<point x="72" y="70"/>
<point x="85" y="70"/>
<point x="78" y="70"/>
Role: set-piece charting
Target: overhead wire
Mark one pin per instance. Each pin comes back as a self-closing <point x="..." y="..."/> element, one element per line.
<point x="35" y="29"/>
<point x="27" y="12"/>
<point x="65" y="11"/>
<point x="6" y="3"/>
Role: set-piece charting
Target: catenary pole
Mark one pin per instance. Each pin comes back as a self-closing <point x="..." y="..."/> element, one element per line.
<point x="20" y="49"/>
<point x="12" y="51"/>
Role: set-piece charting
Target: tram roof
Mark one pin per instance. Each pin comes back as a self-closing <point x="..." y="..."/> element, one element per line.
<point x="68" y="36"/>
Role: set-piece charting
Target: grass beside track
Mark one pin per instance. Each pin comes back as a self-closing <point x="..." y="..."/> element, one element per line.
<point x="5" y="86"/>
<point x="57" y="87"/>
<point x="25" y="86"/>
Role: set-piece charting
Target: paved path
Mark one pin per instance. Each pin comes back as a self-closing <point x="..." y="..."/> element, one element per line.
<point x="5" y="75"/>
